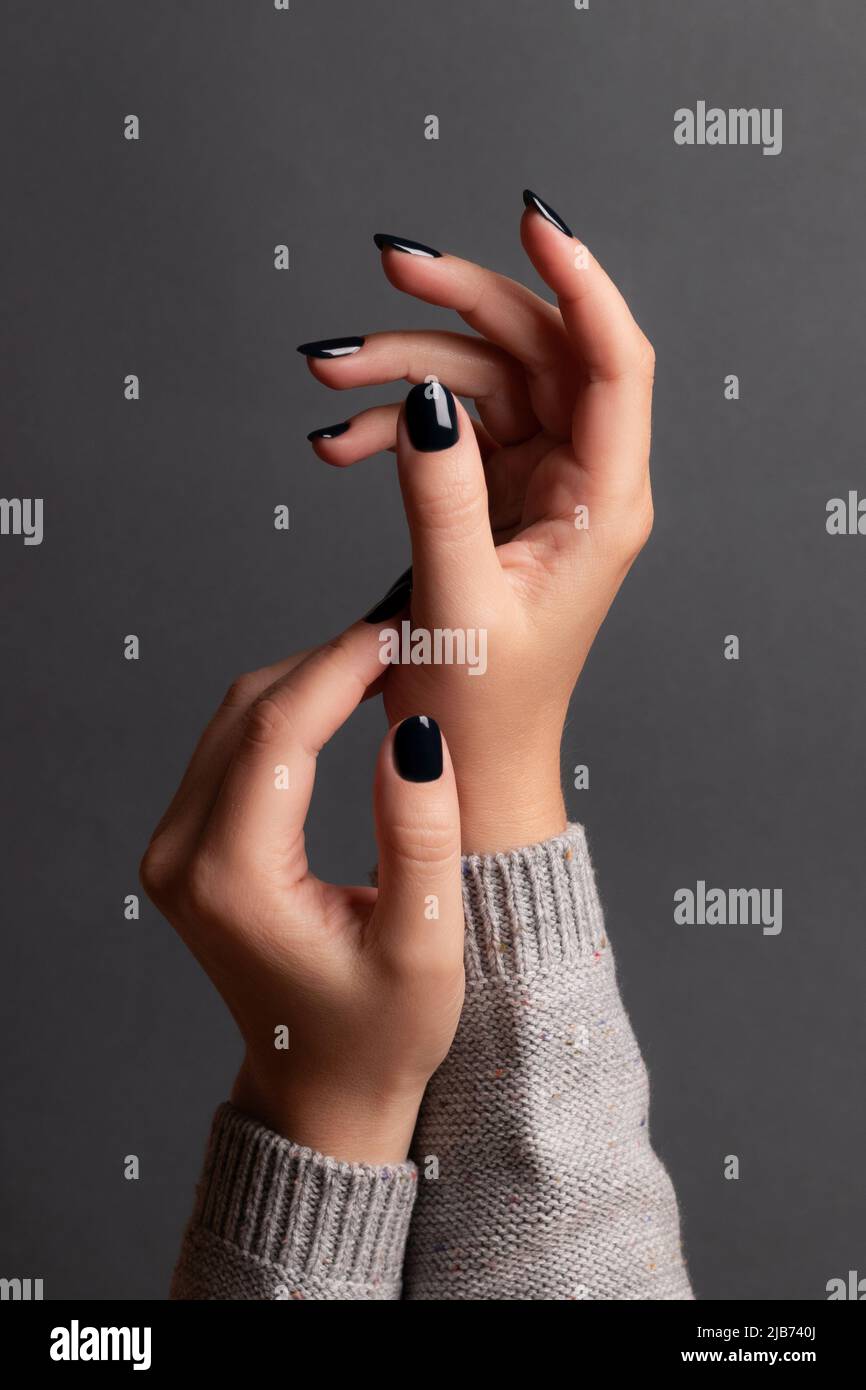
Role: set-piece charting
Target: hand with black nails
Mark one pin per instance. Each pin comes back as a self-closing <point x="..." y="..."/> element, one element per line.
<point x="523" y="522"/>
<point x="368" y="982"/>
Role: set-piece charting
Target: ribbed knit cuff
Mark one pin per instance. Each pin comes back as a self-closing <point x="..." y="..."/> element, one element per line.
<point x="531" y="910"/>
<point x="291" y="1207"/>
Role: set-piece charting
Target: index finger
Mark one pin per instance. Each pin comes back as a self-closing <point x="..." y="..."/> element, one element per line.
<point x="611" y="422"/>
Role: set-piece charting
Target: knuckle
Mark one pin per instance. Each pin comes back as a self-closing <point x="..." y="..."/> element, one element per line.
<point x="337" y="649"/>
<point x="646" y="357"/>
<point x="639" y="529"/>
<point x="266" y="722"/>
<point x="155" y="872"/>
<point x="200" y="890"/>
<point x="241" y="692"/>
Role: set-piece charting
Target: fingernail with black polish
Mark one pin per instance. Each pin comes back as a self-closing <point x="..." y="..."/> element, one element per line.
<point x="532" y="200"/>
<point x="418" y="749"/>
<point x="431" y="417"/>
<point x="400" y="243"/>
<point x="330" y="431"/>
<point x="332" y="347"/>
<point x="396" y="598"/>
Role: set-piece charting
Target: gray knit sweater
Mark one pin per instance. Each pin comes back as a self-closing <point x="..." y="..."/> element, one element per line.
<point x="533" y="1175"/>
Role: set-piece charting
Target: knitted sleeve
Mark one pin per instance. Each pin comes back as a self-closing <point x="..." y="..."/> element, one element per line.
<point x="273" y="1220"/>
<point x="537" y="1179"/>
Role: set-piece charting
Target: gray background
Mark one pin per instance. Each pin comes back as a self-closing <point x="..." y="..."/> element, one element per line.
<point x="156" y="258"/>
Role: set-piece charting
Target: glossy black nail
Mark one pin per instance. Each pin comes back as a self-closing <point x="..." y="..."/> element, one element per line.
<point x="431" y="417"/>
<point x="330" y="431"/>
<point x="418" y="749"/>
<point x="532" y="200"/>
<point x="400" y="243"/>
<point x="396" y="598"/>
<point x="332" y="347"/>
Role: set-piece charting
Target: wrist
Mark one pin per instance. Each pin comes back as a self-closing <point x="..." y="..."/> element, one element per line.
<point x="371" y="1127"/>
<point x="516" y="803"/>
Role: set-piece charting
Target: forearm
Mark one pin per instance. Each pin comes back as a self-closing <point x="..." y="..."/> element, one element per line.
<point x="545" y="1185"/>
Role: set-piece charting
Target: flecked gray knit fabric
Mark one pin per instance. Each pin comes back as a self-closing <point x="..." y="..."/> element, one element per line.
<point x="273" y="1220"/>
<point x="537" y="1179"/>
<point x="537" y="1122"/>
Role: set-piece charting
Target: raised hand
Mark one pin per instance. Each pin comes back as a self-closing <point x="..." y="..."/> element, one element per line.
<point x="523" y="523"/>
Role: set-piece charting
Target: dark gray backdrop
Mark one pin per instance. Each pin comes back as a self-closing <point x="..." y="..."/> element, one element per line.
<point x="156" y="257"/>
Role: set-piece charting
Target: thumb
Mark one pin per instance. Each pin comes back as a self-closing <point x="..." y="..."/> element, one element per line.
<point x="419" y="911"/>
<point x="445" y="495"/>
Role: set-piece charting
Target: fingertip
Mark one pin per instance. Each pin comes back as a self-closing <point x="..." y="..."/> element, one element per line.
<point x="362" y="646"/>
<point x="323" y="446"/>
<point x="534" y="204"/>
<point x="328" y="371"/>
<point x="415" y="772"/>
<point x="405" y="246"/>
<point x="328" y="432"/>
<point x="431" y="417"/>
<point x="323" y="456"/>
<point x="418" y="749"/>
<point x="424" y="428"/>
<point x="428" y="278"/>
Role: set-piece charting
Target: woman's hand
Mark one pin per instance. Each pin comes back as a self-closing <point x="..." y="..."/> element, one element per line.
<point x="368" y="983"/>
<point x="524" y="524"/>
